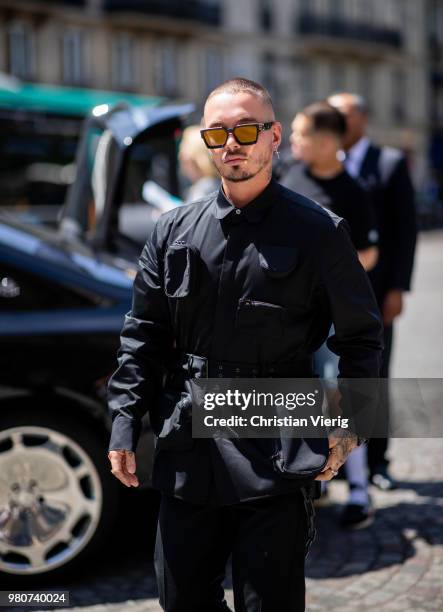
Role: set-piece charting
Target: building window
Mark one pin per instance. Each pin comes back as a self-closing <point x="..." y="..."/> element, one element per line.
<point x="213" y="68"/>
<point x="306" y="7"/>
<point x="306" y="82"/>
<point x="437" y="114"/>
<point x="265" y="15"/>
<point x="336" y="9"/>
<point x="337" y="76"/>
<point x="21" y="50"/>
<point x="123" y="63"/>
<point x="364" y="11"/>
<point x="398" y="95"/>
<point x="365" y="85"/>
<point x="269" y="77"/>
<point x="166" y="69"/>
<point x="74" y="61"/>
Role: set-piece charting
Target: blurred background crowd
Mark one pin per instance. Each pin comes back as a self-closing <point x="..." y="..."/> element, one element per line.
<point x="389" y="51"/>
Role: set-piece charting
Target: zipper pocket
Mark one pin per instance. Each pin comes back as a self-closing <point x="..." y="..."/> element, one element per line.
<point x="248" y="302"/>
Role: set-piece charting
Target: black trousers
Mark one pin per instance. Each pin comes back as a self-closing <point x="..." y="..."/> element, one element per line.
<point x="377" y="447"/>
<point x="266" y="538"/>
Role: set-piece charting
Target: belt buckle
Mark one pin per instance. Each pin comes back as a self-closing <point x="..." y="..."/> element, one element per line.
<point x="202" y="372"/>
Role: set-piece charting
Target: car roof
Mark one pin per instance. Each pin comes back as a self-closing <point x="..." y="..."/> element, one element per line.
<point x="58" y="100"/>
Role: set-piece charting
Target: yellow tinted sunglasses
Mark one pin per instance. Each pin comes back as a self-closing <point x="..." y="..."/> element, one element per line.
<point x="246" y="134"/>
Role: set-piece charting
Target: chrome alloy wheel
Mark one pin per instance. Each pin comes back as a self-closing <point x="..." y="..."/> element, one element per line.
<point x="51" y="499"/>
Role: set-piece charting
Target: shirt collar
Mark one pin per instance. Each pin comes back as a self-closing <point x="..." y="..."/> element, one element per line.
<point x="358" y="151"/>
<point x="252" y="212"/>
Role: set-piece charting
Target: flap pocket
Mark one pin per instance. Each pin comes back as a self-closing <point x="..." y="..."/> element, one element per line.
<point x="278" y="261"/>
<point x="254" y="316"/>
<point x="180" y="270"/>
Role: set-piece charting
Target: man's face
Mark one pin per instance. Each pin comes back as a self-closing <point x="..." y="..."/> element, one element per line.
<point x="310" y="146"/>
<point x="356" y="121"/>
<point x="236" y="162"/>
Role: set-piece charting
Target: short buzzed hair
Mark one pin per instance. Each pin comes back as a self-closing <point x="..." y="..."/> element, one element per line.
<point x="325" y="118"/>
<point x="240" y="85"/>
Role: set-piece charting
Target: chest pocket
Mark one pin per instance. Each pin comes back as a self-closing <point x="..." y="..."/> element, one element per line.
<point x="181" y="269"/>
<point x="278" y="261"/>
<point x="260" y="318"/>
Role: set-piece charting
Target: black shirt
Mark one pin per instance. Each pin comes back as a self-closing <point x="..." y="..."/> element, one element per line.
<point x="256" y="286"/>
<point x="341" y="194"/>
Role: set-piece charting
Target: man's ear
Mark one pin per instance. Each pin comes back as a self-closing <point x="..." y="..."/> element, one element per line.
<point x="276" y="134"/>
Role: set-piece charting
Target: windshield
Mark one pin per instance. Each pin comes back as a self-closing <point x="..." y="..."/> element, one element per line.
<point x="37" y="156"/>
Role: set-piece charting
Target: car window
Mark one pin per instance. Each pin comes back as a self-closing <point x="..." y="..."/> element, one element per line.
<point x="150" y="180"/>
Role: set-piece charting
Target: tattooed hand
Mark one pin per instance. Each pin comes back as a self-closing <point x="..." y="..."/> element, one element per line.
<point x="341" y="443"/>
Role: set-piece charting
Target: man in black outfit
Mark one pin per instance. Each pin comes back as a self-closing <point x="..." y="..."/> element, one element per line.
<point x="384" y="173"/>
<point x="242" y="283"/>
<point x="317" y="141"/>
<point x="317" y="172"/>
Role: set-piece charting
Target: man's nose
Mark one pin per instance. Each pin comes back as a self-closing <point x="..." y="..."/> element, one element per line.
<point x="231" y="141"/>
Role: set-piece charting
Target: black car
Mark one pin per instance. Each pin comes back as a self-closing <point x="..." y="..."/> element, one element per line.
<point x="63" y="295"/>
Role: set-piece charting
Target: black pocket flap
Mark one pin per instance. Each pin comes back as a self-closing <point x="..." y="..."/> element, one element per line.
<point x="278" y="261"/>
<point x="180" y="271"/>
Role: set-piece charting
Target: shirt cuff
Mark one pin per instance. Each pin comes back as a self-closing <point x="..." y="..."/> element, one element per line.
<point x="125" y="434"/>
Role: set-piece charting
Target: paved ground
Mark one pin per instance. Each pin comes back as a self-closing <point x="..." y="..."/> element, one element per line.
<point x="394" y="565"/>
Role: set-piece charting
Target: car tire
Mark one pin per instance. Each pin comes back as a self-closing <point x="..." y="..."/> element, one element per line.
<point x="58" y="498"/>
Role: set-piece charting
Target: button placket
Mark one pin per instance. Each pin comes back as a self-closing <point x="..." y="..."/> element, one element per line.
<point x="226" y="298"/>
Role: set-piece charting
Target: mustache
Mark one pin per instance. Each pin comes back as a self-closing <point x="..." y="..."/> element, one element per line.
<point x="228" y="155"/>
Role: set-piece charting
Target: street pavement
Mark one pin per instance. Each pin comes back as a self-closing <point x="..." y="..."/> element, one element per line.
<point x="396" y="564"/>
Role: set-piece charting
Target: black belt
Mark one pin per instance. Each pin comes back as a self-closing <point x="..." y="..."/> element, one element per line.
<point x="201" y="367"/>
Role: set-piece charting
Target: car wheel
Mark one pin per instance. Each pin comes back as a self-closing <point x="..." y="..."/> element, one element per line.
<point x="58" y="499"/>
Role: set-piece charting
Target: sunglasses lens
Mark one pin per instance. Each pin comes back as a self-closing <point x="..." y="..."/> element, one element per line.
<point x="215" y="138"/>
<point x="246" y="134"/>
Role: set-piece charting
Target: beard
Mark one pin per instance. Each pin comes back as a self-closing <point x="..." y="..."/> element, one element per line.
<point x="237" y="174"/>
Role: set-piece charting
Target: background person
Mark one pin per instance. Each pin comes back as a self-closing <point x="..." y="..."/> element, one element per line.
<point x="384" y="173"/>
<point x="317" y="142"/>
<point x="318" y="173"/>
<point x="196" y="165"/>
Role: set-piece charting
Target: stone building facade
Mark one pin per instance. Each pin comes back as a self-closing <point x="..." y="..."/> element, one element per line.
<point x="300" y="49"/>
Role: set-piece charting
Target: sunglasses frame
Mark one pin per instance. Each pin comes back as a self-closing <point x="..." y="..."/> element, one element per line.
<point x="261" y="127"/>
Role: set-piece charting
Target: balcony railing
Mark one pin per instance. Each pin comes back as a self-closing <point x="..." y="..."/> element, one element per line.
<point x="45" y="3"/>
<point x="347" y="30"/>
<point x="196" y="10"/>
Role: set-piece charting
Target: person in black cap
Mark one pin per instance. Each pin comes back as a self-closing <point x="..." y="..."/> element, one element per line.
<point x="243" y="283"/>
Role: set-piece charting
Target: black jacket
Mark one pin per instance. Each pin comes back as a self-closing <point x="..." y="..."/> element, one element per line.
<point x="255" y="287"/>
<point x="385" y="175"/>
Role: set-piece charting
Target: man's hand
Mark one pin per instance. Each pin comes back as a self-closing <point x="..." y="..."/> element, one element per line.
<point x="341" y="443"/>
<point x="392" y="305"/>
<point x="123" y="466"/>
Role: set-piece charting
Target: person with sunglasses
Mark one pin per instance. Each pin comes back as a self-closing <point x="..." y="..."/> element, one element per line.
<point x="244" y="283"/>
